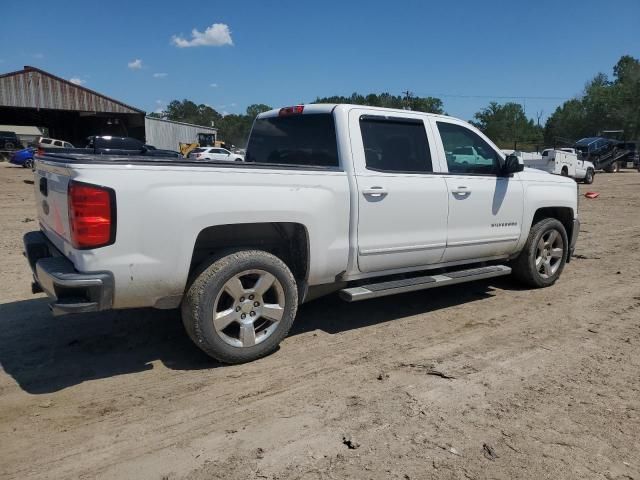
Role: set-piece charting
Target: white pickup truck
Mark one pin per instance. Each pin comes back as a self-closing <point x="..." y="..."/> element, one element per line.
<point x="361" y="200"/>
<point x="566" y="162"/>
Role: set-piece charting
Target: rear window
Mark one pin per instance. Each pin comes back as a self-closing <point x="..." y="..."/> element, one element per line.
<point x="198" y="150"/>
<point x="395" y="145"/>
<point x="306" y="140"/>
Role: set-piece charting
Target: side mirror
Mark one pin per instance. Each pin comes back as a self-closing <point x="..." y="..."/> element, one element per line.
<point x="512" y="165"/>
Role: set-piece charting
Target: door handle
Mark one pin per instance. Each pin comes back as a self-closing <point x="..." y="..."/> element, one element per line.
<point x="461" y="191"/>
<point x="374" y="191"/>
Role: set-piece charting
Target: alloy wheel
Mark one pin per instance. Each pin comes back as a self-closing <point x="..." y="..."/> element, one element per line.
<point x="549" y="253"/>
<point x="248" y="308"/>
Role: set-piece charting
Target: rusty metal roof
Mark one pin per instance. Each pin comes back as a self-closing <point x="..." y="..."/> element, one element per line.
<point x="35" y="88"/>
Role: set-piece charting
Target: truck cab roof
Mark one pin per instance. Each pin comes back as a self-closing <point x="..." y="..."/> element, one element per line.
<point x="315" y="108"/>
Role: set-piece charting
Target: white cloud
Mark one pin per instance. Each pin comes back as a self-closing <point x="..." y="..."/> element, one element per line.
<point x="135" y="64"/>
<point x="77" y="81"/>
<point x="213" y="85"/>
<point x="216" y="35"/>
<point x="234" y="104"/>
<point x="160" y="75"/>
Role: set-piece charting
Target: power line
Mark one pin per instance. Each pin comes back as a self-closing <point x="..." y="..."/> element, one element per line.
<point x="500" y="97"/>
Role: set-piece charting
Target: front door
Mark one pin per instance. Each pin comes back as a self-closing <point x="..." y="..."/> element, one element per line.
<point x="485" y="208"/>
<point x="402" y="204"/>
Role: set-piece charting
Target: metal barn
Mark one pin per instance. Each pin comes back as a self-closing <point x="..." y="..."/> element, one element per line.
<point x="68" y="111"/>
<point x="168" y="134"/>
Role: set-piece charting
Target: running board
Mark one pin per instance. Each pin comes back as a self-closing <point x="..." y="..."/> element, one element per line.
<point x="374" y="290"/>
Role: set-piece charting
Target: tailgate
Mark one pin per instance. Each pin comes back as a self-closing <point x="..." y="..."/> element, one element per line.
<point x="51" y="184"/>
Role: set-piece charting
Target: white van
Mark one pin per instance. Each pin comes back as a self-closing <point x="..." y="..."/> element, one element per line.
<point x="53" y="143"/>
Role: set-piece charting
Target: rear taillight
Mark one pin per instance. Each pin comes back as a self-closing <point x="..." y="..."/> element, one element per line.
<point x="92" y="215"/>
<point x="291" y="110"/>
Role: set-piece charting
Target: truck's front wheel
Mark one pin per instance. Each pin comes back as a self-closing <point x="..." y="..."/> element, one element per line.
<point x="588" y="178"/>
<point x="544" y="255"/>
<point x="241" y="306"/>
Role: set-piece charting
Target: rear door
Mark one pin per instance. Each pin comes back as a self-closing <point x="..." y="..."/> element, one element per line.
<point x="402" y="204"/>
<point x="485" y="209"/>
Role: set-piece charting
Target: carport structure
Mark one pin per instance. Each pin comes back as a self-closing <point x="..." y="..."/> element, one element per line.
<point x="68" y="111"/>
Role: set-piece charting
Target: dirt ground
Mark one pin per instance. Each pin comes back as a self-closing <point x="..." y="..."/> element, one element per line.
<point x="546" y="383"/>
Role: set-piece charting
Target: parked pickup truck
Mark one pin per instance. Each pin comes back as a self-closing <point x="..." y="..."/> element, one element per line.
<point x="563" y="161"/>
<point x="354" y="199"/>
<point x="109" y="145"/>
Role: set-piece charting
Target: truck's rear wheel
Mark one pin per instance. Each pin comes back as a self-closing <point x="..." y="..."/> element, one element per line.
<point x="241" y="306"/>
<point x="564" y="172"/>
<point x="544" y="255"/>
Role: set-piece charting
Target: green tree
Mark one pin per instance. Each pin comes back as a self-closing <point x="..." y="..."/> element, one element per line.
<point x="603" y="105"/>
<point x="234" y="129"/>
<point x="188" y="112"/>
<point x="256" y="109"/>
<point x="508" y="126"/>
<point x="419" y="104"/>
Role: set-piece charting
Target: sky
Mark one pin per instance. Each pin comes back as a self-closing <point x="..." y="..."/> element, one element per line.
<point x="230" y="54"/>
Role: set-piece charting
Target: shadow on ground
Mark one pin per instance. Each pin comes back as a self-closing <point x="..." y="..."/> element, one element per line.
<point x="45" y="354"/>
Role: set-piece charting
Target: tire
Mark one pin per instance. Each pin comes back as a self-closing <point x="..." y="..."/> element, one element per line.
<point x="28" y="164"/>
<point x="588" y="178"/>
<point x="251" y="322"/>
<point x="564" y="172"/>
<point x="537" y="249"/>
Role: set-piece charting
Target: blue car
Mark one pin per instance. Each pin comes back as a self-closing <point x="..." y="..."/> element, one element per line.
<point x="23" y="157"/>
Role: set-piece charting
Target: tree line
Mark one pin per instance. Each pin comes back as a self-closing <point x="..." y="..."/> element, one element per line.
<point x="605" y="104"/>
<point x="233" y="129"/>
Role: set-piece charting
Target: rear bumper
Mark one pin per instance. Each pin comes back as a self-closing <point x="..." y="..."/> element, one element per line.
<point x="69" y="290"/>
<point x="574" y="238"/>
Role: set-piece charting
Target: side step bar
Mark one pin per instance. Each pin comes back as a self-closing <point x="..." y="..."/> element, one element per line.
<point x="365" y="292"/>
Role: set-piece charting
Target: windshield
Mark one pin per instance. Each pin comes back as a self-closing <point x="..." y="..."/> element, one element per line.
<point x="586" y="141"/>
<point x="308" y="140"/>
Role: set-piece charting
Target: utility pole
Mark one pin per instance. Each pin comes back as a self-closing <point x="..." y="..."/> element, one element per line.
<point x="407" y="99"/>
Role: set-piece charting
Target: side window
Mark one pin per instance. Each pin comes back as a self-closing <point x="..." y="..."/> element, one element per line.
<point x="466" y="152"/>
<point x="395" y="145"/>
<point x="206" y="139"/>
<point x="57" y="143"/>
